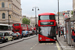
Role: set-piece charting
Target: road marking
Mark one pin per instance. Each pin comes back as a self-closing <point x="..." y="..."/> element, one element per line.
<point x="58" y="46"/>
<point x="45" y="43"/>
<point x="33" y="46"/>
<point x="42" y="44"/>
<point x="51" y="43"/>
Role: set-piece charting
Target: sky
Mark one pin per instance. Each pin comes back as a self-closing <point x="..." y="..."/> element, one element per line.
<point x="45" y="6"/>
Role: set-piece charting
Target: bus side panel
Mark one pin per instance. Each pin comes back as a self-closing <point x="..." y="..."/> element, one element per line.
<point x="20" y="31"/>
<point x="43" y="38"/>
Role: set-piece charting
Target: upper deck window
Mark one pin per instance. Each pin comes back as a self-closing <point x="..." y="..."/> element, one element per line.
<point x="23" y="25"/>
<point x="47" y="17"/>
<point x="16" y="24"/>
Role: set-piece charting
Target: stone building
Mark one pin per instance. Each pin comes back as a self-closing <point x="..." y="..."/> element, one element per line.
<point x="73" y="8"/>
<point x="25" y="17"/>
<point x="61" y="20"/>
<point x="33" y="21"/>
<point x="10" y="11"/>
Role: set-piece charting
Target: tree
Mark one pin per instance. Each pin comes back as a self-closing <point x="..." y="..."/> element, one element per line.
<point x="72" y="12"/>
<point x="25" y="21"/>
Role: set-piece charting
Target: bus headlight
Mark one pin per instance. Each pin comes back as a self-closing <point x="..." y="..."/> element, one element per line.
<point x="40" y="38"/>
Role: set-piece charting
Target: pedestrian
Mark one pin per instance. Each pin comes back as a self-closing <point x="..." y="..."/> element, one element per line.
<point x="62" y="31"/>
<point x="73" y="34"/>
<point x="59" y="31"/>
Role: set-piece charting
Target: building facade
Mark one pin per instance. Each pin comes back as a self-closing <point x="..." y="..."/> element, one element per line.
<point x="33" y="21"/>
<point x="62" y="16"/>
<point x="10" y="11"/>
<point x="61" y="20"/>
<point x="25" y="17"/>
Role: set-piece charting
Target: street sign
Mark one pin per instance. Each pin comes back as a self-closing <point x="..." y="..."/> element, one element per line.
<point x="66" y="15"/>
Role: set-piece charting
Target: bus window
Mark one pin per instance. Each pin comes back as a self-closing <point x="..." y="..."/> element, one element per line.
<point x="52" y="17"/>
<point x="10" y="28"/>
<point x="3" y="27"/>
<point x="47" y="17"/>
<point x="23" y="25"/>
<point x="47" y="23"/>
<point x="16" y="24"/>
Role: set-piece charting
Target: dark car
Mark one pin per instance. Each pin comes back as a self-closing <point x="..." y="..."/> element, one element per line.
<point x="5" y="36"/>
<point x="19" y="35"/>
<point x="33" y="32"/>
<point x="15" y="36"/>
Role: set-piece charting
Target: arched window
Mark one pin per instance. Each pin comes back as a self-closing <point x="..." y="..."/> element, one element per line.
<point x="3" y="16"/>
<point x="3" y="5"/>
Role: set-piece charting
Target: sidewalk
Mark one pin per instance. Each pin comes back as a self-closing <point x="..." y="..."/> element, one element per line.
<point x="63" y="44"/>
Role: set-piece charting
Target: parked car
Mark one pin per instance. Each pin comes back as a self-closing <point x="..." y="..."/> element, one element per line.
<point x="33" y="32"/>
<point x="15" y="36"/>
<point x="5" y="36"/>
<point x="30" y="32"/>
<point x="19" y="35"/>
<point x="24" y="33"/>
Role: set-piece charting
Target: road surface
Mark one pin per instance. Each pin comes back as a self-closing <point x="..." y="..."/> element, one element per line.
<point x="32" y="44"/>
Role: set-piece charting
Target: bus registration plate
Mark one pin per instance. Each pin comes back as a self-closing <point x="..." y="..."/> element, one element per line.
<point x="47" y="39"/>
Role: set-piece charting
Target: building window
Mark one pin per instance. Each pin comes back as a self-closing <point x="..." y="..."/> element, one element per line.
<point x="9" y="5"/>
<point x="3" y="16"/>
<point x="3" y="5"/>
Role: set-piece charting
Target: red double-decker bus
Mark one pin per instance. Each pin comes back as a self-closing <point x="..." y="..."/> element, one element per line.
<point x="47" y="27"/>
<point x="18" y="27"/>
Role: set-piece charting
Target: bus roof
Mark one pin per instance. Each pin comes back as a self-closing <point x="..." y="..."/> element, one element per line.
<point x="5" y="25"/>
<point x="46" y="14"/>
<point x="16" y="23"/>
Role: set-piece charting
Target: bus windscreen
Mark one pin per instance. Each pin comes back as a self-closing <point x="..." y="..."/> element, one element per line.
<point x="47" y="31"/>
<point x="47" y="17"/>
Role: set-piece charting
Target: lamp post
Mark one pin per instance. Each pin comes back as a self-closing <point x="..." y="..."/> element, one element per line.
<point x="34" y="9"/>
<point x="58" y="20"/>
